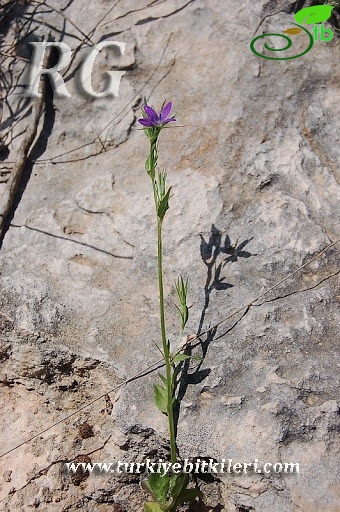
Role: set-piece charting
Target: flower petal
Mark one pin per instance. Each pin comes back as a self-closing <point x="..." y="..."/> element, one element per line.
<point x="151" y="112"/>
<point x="168" y="120"/>
<point x="145" y="121"/>
<point x="165" y="111"/>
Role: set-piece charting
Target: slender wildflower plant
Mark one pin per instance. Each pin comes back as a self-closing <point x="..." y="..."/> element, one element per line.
<point x="168" y="490"/>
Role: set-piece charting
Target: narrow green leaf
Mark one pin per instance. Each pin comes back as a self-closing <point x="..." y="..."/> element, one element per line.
<point x="197" y="358"/>
<point x="163" y="379"/>
<point x="184" y="357"/>
<point x="151" y="506"/>
<point x="160" y="397"/>
<point x="182" y="290"/>
<point x="163" y="205"/>
<point x="150" y="166"/>
<point x="185" y="316"/>
<point x="181" y="357"/>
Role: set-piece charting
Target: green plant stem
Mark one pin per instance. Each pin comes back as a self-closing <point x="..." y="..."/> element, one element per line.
<point x="166" y="350"/>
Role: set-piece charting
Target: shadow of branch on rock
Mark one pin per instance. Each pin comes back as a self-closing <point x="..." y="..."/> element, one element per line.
<point x="211" y="250"/>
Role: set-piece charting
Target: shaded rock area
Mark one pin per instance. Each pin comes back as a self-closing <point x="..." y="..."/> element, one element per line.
<point x="253" y="165"/>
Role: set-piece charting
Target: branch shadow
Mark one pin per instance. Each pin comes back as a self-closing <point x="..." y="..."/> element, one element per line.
<point x="11" y="17"/>
<point x="211" y="250"/>
<point x="9" y="12"/>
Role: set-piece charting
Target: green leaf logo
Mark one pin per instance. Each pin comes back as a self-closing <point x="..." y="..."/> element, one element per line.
<point x="314" y="14"/>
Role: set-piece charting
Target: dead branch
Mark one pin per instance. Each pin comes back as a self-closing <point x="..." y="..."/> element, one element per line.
<point x="8" y="197"/>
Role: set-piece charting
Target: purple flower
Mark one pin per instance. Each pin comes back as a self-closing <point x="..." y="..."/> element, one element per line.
<point x="152" y="119"/>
